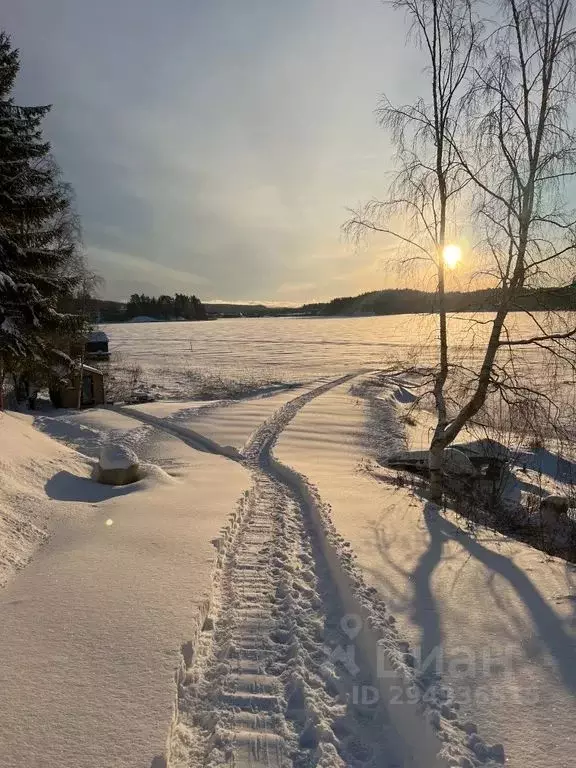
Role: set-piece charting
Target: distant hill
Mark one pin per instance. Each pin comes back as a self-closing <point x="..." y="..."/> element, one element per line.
<point x="406" y="301"/>
<point x="117" y="311"/>
<point x="238" y="310"/>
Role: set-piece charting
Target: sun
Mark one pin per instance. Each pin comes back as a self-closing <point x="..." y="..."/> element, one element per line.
<point x="452" y="254"/>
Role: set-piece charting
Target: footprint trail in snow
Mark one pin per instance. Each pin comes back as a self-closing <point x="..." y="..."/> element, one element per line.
<point x="265" y="688"/>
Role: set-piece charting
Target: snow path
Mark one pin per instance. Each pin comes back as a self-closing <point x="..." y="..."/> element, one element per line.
<point x="260" y="443"/>
<point x="270" y="683"/>
<point x="262" y="690"/>
<point x="227" y="422"/>
<point x="276" y="678"/>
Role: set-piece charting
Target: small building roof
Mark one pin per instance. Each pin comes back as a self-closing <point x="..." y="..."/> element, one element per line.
<point x="97" y="336"/>
<point x="90" y="369"/>
<point x="143" y="319"/>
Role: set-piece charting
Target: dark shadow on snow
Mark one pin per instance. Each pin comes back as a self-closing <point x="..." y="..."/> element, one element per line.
<point x="547" y="633"/>
<point x="85" y="439"/>
<point x="551" y="464"/>
<point x="64" y="486"/>
<point x="424" y="609"/>
<point x="550" y="633"/>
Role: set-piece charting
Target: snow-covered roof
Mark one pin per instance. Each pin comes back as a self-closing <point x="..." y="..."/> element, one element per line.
<point x="89" y="369"/>
<point x="97" y="336"/>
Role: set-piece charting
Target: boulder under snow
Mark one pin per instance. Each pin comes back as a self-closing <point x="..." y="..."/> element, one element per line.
<point x="118" y="465"/>
<point x="455" y="462"/>
<point x="554" y="510"/>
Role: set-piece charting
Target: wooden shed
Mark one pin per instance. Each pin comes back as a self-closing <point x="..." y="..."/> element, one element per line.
<point x="90" y="388"/>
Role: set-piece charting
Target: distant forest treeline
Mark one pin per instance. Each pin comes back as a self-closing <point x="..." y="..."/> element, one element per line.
<point x="388" y="302"/>
<point x="174" y="307"/>
<point x="177" y="307"/>
<point x="400" y="302"/>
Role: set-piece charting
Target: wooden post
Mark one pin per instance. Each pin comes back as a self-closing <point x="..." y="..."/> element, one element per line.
<point x="80" y="381"/>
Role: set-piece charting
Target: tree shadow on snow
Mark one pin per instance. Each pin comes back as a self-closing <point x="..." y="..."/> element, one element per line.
<point x="424" y="607"/>
<point x="64" y="486"/>
<point x="419" y="601"/>
<point x="512" y="486"/>
<point x="551" y="464"/>
<point x="62" y="427"/>
<point x="550" y="633"/>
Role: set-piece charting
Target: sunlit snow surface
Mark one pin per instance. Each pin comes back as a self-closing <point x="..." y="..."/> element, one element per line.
<point x="241" y="356"/>
<point x="288" y="349"/>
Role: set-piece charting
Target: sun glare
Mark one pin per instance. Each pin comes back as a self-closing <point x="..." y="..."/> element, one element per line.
<point x="452" y="255"/>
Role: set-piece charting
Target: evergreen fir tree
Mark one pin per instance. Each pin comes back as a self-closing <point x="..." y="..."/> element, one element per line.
<point x="40" y="263"/>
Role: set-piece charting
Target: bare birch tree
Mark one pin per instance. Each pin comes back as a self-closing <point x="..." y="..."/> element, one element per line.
<point x="497" y="124"/>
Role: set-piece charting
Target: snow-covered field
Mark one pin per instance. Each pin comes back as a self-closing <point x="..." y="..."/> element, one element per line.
<point x="270" y="349"/>
<point x="258" y="352"/>
<point x="29" y="462"/>
<point x="260" y="598"/>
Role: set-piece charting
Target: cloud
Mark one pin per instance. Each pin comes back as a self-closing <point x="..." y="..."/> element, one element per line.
<point x="296" y="287"/>
<point x="137" y="275"/>
<point x="215" y="145"/>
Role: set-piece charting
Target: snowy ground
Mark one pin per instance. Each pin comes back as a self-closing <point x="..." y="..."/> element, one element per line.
<point x="501" y="613"/>
<point x="92" y="630"/>
<point x="328" y="584"/>
<point x="226" y="422"/>
<point x="28" y="509"/>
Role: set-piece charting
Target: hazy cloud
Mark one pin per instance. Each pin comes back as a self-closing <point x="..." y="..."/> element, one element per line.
<point x="215" y="146"/>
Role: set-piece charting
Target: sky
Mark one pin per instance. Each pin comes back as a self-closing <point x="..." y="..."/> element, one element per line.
<point x="215" y="145"/>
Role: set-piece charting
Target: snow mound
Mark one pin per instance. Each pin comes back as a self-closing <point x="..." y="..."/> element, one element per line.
<point x="118" y="465"/>
<point x="98" y="618"/>
<point x="556" y="505"/>
<point x="457" y="463"/>
<point x="152" y="472"/>
<point x="411" y="460"/>
<point x="117" y="457"/>
<point x="403" y="395"/>
<point x="486" y="448"/>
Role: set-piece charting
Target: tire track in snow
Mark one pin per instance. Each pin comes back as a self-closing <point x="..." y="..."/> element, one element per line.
<point x="189" y="436"/>
<point x="261" y="442"/>
<point x="262" y="686"/>
<point x="264" y="689"/>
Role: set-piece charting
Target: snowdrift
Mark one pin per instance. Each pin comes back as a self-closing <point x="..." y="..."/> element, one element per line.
<point x="28" y="463"/>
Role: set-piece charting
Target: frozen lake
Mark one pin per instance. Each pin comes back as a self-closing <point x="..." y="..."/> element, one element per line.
<point x="290" y="350"/>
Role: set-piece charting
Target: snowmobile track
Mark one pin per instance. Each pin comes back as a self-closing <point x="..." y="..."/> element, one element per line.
<point x="267" y="687"/>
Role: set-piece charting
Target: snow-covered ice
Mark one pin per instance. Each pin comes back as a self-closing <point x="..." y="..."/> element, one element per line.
<point x="299" y="350"/>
